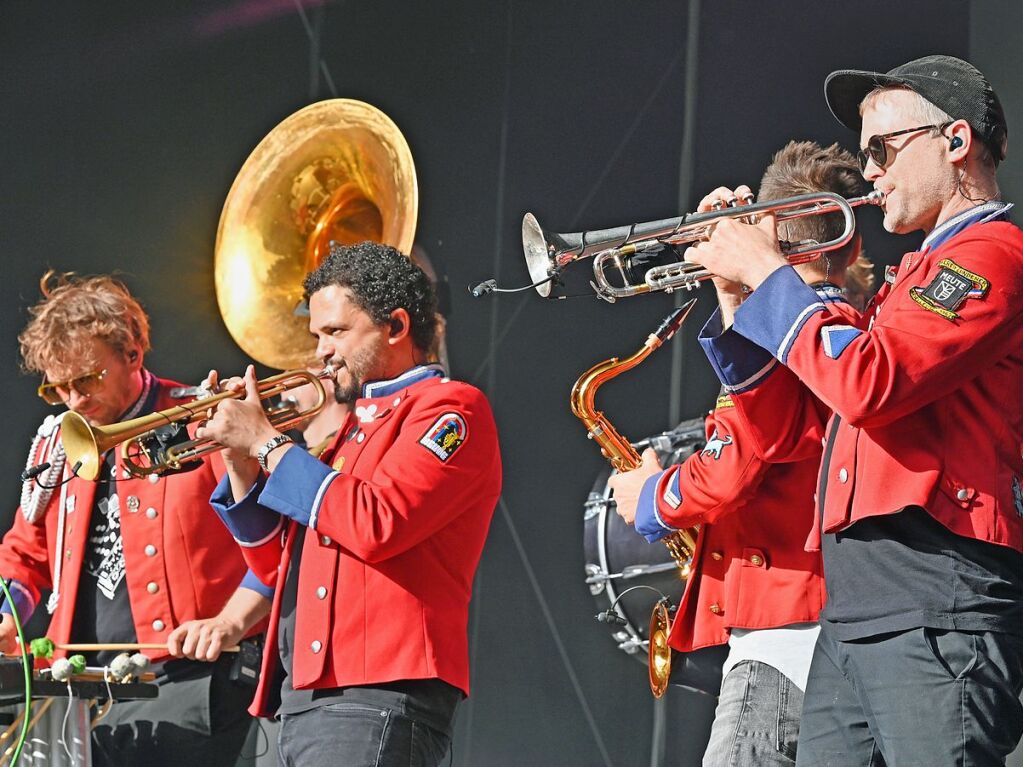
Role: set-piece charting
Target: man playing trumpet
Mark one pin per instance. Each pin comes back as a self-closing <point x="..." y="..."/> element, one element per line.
<point x="920" y="656"/>
<point x="372" y="549"/>
<point x="127" y="560"/>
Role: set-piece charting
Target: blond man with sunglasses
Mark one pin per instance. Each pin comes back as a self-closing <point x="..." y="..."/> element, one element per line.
<point x="127" y="559"/>
<point x="920" y="492"/>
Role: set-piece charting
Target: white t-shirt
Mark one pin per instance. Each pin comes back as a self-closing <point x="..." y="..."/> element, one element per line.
<point x="788" y="649"/>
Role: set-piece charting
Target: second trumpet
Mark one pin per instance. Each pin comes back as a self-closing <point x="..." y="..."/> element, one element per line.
<point x="160" y="441"/>
<point x="632" y="255"/>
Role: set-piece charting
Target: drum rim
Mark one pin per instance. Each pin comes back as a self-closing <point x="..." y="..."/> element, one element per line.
<point x="637" y="641"/>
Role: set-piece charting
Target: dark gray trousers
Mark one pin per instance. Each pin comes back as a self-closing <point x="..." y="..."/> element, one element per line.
<point x="919" y="697"/>
<point x="199" y="718"/>
<point x="369" y="727"/>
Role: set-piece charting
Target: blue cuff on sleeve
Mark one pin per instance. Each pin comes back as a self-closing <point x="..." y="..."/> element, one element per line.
<point x="739" y="363"/>
<point x="773" y="316"/>
<point x="648" y="520"/>
<point x="23" y="601"/>
<point x="249" y="523"/>
<point x="252" y="583"/>
<point x="296" y="487"/>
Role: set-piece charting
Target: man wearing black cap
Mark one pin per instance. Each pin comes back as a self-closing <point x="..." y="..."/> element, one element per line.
<point x="920" y="656"/>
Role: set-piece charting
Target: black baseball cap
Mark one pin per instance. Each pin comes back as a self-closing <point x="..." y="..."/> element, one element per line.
<point x="953" y="85"/>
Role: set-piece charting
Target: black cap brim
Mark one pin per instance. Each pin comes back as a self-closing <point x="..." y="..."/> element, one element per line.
<point x="846" y="89"/>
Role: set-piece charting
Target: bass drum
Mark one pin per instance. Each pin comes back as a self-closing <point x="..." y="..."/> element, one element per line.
<point x="617" y="558"/>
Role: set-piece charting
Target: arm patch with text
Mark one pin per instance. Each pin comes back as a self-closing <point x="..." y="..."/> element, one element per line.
<point x="445" y="436"/>
<point x="951" y="286"/>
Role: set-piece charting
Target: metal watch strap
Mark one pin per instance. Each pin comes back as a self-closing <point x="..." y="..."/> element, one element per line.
<point x="272" y="444"/>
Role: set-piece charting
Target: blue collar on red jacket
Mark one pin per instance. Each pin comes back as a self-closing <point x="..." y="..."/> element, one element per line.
<point x="989" y="211"/>
<point x="406" y="379"/>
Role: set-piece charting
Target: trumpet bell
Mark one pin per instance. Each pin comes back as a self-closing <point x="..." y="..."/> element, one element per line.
<point x="337" y="170"/>
<point x="82" y="445"/>
<point x="160" y="441"/>
<point x="538" y="260"/>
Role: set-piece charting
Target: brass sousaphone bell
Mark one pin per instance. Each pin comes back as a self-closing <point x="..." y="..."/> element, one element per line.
<point x="337" y="170"/>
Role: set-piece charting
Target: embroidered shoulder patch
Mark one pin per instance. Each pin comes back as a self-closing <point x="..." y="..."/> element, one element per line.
<point x="447" y="434"/>
<point x="725" y="400"/>
<point x="836" y="339"/>
<point x="951" y="286"/>
<point x="715" y="445"/>
<point x="672" y="494"/>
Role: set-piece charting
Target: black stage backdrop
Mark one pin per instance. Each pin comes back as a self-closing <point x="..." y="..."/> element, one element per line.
<point x="124" y="125"/>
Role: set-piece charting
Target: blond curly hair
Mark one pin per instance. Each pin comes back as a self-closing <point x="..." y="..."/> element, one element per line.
<point x="74" y="312"/>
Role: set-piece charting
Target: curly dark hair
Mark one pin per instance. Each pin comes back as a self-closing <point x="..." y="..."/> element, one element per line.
<point x="381" y="280"/>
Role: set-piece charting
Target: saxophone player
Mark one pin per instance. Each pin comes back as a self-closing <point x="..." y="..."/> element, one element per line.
<point x="921" y="506"/>
<point x="753" y="587"/>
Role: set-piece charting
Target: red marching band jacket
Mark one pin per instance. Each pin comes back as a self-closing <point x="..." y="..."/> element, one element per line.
<point x="926" y="390"/>
<point x="180" y="562"/>
<point x="397" y="510"/>
<point x="750" y="569"/>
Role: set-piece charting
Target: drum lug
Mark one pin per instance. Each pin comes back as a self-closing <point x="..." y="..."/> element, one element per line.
<point x="596" y="579"/>
<point x="594" y="506"/>
<point x="630" y="644"/>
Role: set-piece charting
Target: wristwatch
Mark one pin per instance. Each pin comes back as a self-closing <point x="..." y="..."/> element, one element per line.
<point x="271" y="444"/>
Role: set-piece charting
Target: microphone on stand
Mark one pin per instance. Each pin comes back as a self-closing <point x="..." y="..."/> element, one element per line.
<point x="34" y="471"/>
<point x="490" y="286"/>
<point x="610" y="616"/>
<point x="483" y="288"/>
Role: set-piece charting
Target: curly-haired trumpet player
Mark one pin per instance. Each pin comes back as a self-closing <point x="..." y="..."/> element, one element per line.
<point x="127" y="559"/>
<point x="372" y="548"/>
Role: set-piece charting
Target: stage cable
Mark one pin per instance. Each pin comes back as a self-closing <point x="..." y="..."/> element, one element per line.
<point x="637" y="120"/>
<point x="489" y="363"/>
<point x="686" y="176"/>
<point x="316" y="61"/>
<point x="626" y="137"/>
<point x="555" y="634"/>
<point x="26" y="668"/>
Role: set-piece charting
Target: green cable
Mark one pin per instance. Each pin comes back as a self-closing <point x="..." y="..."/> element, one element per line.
<point x="28" y="674"/>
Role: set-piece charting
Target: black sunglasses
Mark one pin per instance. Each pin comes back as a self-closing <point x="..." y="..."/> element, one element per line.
<point x="877" y="148"/>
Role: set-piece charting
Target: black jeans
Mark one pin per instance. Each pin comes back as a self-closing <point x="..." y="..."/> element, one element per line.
<point x="371" y="727"/>
<point x="923" y="697"/>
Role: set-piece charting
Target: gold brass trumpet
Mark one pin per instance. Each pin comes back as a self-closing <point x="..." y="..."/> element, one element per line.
<point x="158" y="442"/>
<point x="627" y="250"/>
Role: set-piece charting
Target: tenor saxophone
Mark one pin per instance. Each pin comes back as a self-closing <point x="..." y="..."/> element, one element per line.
<point x="623" y="457"/>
